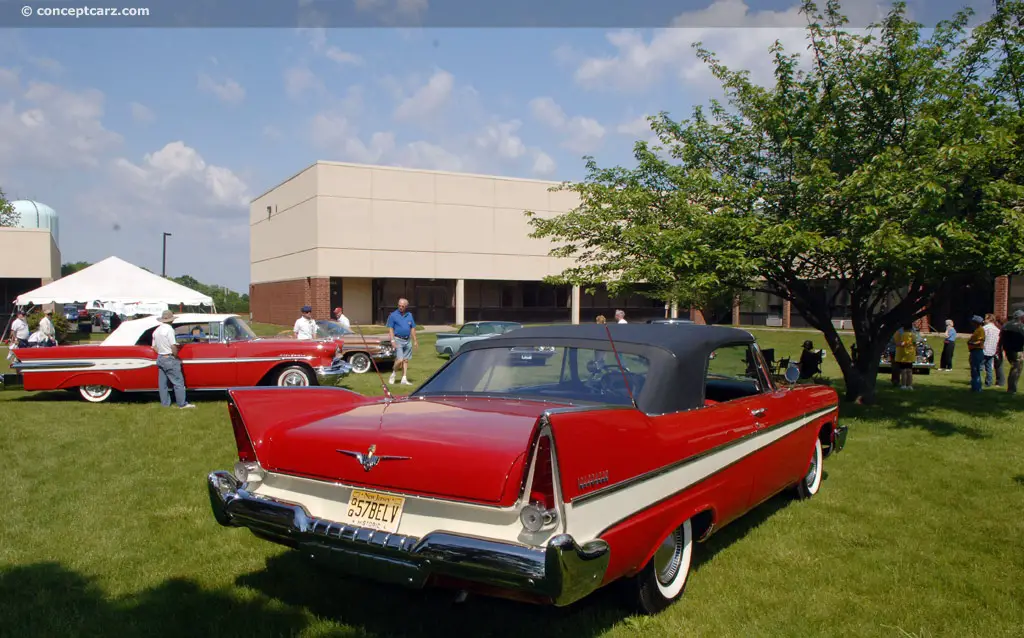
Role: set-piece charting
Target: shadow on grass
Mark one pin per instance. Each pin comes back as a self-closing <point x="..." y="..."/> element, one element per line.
<point x="389" y="610"/>
<point x="47" y="599"/>
<point x="1019" y="479"/>
<point x="942" y="410"/>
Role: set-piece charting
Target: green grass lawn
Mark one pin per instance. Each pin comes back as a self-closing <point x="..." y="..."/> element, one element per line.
<point x="917" y="531"/>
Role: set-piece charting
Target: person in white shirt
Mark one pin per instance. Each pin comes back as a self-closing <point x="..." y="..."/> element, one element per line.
<point x="339" y="316"/>
<point x="168" y="365"/>
<point x="990" y="347"/>
<point x="620" y="316"/>
<point x="46" y="330"/>
<point x="19" y="330"/>
<point x="305" y="327"/>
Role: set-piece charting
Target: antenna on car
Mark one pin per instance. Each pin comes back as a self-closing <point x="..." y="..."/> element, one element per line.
<point x="625" y="377"/>
<point x="387" y="393"/>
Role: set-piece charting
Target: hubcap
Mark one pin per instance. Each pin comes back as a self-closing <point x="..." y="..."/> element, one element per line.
<point x="668" y="557"/>
<point x="95" y="390"/>
<point x="812" y="474"/>
<point x="360" y="363"/>
<point x="294" y="378"/>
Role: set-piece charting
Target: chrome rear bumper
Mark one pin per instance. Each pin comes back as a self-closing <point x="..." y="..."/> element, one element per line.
<point x="560" y="573"/>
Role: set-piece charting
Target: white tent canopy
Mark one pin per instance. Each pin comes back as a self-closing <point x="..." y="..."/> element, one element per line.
<point x="114" y="284"/>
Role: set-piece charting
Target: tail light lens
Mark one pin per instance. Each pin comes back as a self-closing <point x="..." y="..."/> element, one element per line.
<point x="542" y="491"/>
<point x="246" y="452"/>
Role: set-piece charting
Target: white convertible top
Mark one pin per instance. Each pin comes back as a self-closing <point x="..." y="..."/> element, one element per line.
<point x="128" y="333"/>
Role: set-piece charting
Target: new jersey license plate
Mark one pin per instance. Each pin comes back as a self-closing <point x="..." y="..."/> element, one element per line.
<point x="374" y="511"/>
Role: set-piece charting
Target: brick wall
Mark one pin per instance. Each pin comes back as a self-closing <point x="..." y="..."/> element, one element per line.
<point x="279" y="302"/>
<point x="1001" y="303"/>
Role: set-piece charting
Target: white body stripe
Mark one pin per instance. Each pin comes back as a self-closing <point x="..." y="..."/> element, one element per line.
<point x="112" y="365"/>
<point x="591" y="517"/>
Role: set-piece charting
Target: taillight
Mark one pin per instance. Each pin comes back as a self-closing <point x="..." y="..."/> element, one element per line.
<point x="539" y="511"/>
<point x="246" y="453"/>
<point x="542" y="491"/>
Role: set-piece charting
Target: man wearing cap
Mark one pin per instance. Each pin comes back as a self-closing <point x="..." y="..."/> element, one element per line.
<point x="47" y="334"/>
<point x="976" y="350"/>
<point x="305" y="327"/>
<point x="1011" y="340"/>
<point x="339" y="316"/>
<point x="19" y="330"/>
<point x="168" y="365"/>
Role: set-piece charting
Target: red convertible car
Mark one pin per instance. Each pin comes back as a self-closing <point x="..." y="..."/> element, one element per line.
<point x="217" y="352"/>
<point x="538" y="483"/>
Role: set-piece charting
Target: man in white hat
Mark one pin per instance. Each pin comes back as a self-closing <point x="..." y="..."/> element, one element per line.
<point x="168" y="365"/>
<point x="47" y="333"/>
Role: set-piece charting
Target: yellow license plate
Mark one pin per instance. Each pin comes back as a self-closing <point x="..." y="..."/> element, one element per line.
<point x="374" y="511"/>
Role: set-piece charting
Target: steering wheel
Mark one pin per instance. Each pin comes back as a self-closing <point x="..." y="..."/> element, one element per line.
<point x="608" y="379"/>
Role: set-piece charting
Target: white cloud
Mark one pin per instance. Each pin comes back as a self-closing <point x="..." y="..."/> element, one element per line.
<point x="48" y="64"/>
<point x="428" y="100"/>
<point x="501" y="138"/>
<point x="342" y="57"/>
<point x="318" y="42"/>
<point x="272" y="133"/>
<point x="543" y="165"/>
<point x="635" y="128"/>
<point x="141" y="112"/>
<point x="580" y="134"/>
<point x="299" y="80"/>
<point x="228" y="91"/>
<point x="51" y="127"/>
<point x="639" y="62"/>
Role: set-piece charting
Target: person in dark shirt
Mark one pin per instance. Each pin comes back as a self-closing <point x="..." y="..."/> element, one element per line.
<point x="810" y="361"/>
<point x="1011" y="342"/>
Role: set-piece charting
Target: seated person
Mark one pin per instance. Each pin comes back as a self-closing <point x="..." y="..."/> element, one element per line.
<point x="810" y="361"/>
<point x="198" y="336"/>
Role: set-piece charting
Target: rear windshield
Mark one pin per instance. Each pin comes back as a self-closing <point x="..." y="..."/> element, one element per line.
<point x="550" y="373"/>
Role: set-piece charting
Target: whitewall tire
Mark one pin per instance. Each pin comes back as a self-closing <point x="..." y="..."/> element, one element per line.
<point x="294" y="377"/>
<point x="95" y="393"/>
<point x="360" y="362"/>
<point x="664" y="578"/>
<point x="811" y="482"/>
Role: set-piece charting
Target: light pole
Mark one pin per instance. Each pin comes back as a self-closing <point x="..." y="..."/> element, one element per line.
<point x="163" y="270"/>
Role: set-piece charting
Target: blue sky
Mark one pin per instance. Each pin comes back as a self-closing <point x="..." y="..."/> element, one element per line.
<point x="176" y="130"/>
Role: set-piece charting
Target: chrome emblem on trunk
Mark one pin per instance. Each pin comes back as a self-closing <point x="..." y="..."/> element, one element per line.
<point x="370" y="459"/>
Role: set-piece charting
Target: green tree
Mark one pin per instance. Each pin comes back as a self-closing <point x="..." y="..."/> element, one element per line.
<point x="889" y="166"/>
<point x="8" y="216"/>
<point x="73" y="267"/>
<point x="226" y="300"/>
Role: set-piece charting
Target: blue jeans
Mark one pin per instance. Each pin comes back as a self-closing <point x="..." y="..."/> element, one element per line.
<point x="989" y="369"/>
<point x="169" y="369"/>
<point x="977" y="359"/>
<point x="404" y="348"/>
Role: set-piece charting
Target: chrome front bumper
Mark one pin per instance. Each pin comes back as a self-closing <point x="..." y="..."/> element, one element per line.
<point x="560" y="573"/>
<point x="332" y="374"/>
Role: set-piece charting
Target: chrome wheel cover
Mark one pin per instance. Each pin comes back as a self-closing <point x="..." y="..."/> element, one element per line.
<point x="668" y="557"/>
<point x="294" y="378"/>
<point x="96" y="391"/>
<point x="360" y="363"/>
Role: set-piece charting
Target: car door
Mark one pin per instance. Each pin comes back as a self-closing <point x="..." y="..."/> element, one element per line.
<point x="209" y="362"/>
<point x="780" y="454"/>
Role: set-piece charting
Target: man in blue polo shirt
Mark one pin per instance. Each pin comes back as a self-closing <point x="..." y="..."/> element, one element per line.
<point x="402" y="330"/>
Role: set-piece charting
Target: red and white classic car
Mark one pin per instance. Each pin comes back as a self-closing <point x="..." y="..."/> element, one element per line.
<point x="217" y="352"/>
<point x="538" y="483"/>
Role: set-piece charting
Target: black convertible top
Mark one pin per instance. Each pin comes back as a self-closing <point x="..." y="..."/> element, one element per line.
<point x="678" y="354"/>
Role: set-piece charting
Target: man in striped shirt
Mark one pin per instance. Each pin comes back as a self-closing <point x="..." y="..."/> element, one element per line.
<point x="990" y="347"/>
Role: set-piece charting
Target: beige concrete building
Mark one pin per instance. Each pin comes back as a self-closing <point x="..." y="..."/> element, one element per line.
<point x="456" y="245"/>
<point x="30" y="259"/>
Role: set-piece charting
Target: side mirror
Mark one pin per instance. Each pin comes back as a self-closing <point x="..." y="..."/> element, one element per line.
<point x="792" y="373"/>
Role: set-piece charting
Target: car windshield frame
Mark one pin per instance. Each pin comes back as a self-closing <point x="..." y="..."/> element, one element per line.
<point x="248" y="334"/>
<point x="568" y="374"/>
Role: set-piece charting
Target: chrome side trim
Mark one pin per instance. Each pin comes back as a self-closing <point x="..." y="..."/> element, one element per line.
<point x="640" y="478"/>
<point x="562" y="572"/>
